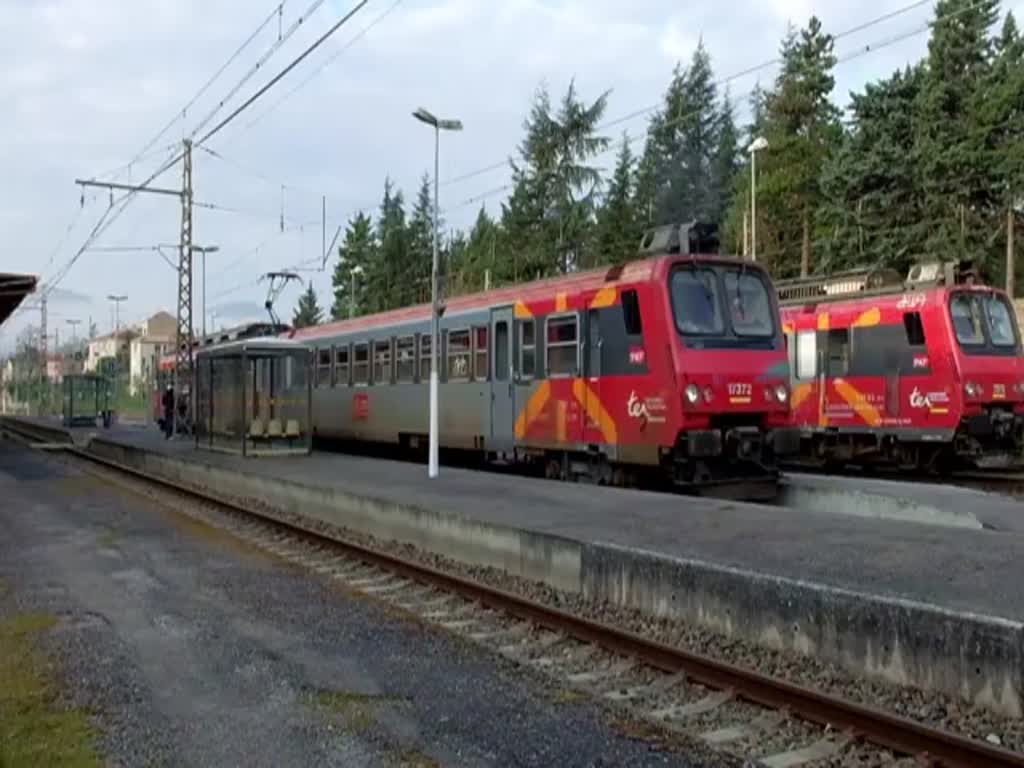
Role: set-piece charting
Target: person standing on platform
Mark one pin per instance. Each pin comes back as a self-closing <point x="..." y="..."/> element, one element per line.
<point x="168" y="405"/>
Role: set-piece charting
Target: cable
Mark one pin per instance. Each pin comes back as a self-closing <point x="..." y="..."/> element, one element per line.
<point x="281" y="40"/>
<point x="721" y="82"/>
<point x="180" y="115"/>
<point x="326" y="63"/>
<point x="280" y="75"/>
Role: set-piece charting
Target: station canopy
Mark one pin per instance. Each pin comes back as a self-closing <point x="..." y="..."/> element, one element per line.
<point x="13" y="290"/>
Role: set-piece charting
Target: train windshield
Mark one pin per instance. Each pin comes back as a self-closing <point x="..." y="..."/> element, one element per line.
<point x="718" y="306"/>
<point x="983" y="321"/>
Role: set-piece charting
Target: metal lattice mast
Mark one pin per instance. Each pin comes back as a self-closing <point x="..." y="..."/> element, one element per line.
<point x="183" y="362"/>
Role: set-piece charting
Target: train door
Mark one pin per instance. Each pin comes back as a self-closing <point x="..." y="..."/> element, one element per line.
<point x="837" y="366"/>
<point x="592" y="366"/>
<point x="503" y="412"/>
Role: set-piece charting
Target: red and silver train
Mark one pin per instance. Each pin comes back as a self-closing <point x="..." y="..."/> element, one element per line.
<point x="671" y="366"/>
<point x="925" y="373"/>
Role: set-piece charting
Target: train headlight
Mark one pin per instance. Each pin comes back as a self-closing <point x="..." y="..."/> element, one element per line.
<point x="781" y="393"/>
<point x="972" y="389"/>
<point x="692" y="394"/>
<point x="709" y="394"/>
<point x="1019" y="387"/>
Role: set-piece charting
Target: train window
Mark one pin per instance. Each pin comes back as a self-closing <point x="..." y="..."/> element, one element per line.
<point x="806" y="355"/>
<point x="424" y="357"/>
<point x="501" y="351"/>
<point x="382" y="362"/>
<point x="361" y="363"/>
<point x="480" y="353"/>
<point x="527" y="350"/>
<point x="405" y="354"/>
<point x="914" y="327"/>
<point x="838" y="352"/>
<point x="1000" y="321"/>
<point x="458" y="355"/>
<point x="563" y="349"/>
<point x="631" y="313"/>
<point x="341" y="365"/>
<point x="966" y="319"/>
<point x="323" y="367"/>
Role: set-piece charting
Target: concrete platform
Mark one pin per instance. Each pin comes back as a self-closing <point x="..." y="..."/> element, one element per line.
<point x="926" y="605"/>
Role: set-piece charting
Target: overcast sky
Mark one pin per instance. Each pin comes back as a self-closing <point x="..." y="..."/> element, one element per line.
<point x="87" y="84"/>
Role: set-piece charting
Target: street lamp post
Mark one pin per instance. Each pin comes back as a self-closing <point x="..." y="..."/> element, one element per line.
<point x="117" y="309"/>
<point x="356" y="270"/>
<point x="756" y="146"/>
<point x="74" y="329"/>
<point x="438" y="125"/>
<point x="204" y="250"/>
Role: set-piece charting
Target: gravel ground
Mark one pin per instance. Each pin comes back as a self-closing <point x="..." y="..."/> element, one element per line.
<point x="190" y="648"/>
<point x="930" y="707"/>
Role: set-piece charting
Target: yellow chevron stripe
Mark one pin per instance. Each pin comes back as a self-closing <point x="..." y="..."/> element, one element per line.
<point x="604" y="298"/>
<point x="595" y="410"/>
<point x="561" y="302"/>
<point x="869" y="318"/>
<point x="522" y="312"/>
<point x="560" y="418"/>
<point x="823" y="321"/>
<point x="858" y="402"/>
<point x="800" y="393"/>
<point x="534" y="407"/>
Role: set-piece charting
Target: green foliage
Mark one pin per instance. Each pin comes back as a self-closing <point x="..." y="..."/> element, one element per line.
<point x="618" y="225"/>
<point x="307" y="312"/>
<point x="356" y="257"/>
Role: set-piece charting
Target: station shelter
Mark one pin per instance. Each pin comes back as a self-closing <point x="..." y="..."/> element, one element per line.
<point x="253" y="397"/>
<point x="86" y="399"/>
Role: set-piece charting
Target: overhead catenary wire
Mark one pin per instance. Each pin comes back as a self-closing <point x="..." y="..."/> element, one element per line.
<point x="125" y="200"/>
<point x="181" y="114"/>
<point x="254" y="70"/>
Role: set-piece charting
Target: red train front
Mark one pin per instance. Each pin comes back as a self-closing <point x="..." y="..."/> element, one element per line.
<point x="925" y="373"/>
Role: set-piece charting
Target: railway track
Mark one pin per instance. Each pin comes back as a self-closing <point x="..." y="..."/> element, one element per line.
<point x="747" y="717"/>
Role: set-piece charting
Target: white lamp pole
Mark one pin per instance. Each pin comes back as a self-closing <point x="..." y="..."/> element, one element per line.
<point x="435" y="325"/>
<point x="756" y="146"/>
<point x="356" y="270"/>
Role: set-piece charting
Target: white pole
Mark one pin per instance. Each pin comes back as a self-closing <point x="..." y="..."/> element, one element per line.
<point x="753" y="205"/>
<point x="432" y="463"/>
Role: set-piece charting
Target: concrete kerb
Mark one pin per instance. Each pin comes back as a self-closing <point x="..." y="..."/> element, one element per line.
<point x="978" y="658"/>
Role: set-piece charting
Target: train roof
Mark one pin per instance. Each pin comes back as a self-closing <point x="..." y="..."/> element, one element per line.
<point x="635" y="271"/>
<point x="255" y="344"/>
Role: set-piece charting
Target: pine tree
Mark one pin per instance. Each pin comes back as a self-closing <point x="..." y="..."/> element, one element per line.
<point x="724" y="162"/>
<point x="802" y="127"/>
<point x="949" y="148"/>
<point x="483" y="249"/>
<point x="420" y="253"/>
<point x="356" y="258"/>
<point x="307" y="312"/>
<point x="387" y="287"/>
<point x="618" y="225"/>
<point x="871" y="205"/>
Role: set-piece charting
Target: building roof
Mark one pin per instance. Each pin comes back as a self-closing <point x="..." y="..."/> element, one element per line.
<point x="13" y="290"/>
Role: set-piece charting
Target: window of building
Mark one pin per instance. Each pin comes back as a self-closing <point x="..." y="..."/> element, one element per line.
<point x="562" y="346"/>
<point x="458" y="355"/>
<point x="914" y="327"/>
<point x="405" y="354"/>
<point x="631" y="313"/>
<point x="480" y="353"/>
<point x="382" y="362"/>
<point x="527" y="349"/>
<point x="323" y="367"/>
<point x="361" y="363"/>
<point x="341" y="366"/>
<point x="425" y="357"/>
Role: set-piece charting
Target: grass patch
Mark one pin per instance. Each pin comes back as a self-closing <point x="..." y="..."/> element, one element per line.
<point x="358" y="711"/>
<point x="569" y="696"/>
<point x="34" y="730"/>
<point x="413" y="758"/>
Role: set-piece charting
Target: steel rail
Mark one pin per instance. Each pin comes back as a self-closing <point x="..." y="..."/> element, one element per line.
<point x="932" y="746"/>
